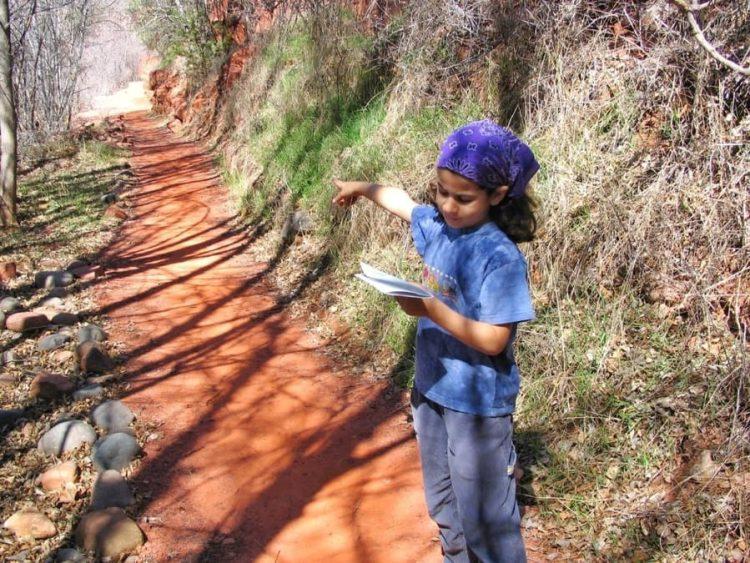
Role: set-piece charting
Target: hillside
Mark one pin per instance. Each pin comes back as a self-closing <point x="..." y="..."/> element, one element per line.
<point x="633" y="417"/>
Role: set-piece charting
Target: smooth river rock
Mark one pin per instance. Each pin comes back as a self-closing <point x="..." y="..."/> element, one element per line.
<point x="22" y="322"/>
<point x="91" y="332"/>
<point x="108" y="533"/>
<point x="112" y="416"/>
<point x="58" y="476"/>
<point x="50" y="386"/>
<point x="53" y="341"/>
<point x="10" y="305"/>
<point x="115" y="451"/>
<point x="66" y="437"/>
<point x="53" y="278"/>
<point x="88" y="391"/>
<point x="30" y="524"/>
<point x="111" y="489"/>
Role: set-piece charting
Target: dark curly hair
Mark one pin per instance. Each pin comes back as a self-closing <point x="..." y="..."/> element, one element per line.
<point x="516" y="217"/>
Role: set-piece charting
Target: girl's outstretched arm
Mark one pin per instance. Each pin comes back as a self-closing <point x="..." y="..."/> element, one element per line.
<point x="394" y="200"/>
<point x="487" y="338"/>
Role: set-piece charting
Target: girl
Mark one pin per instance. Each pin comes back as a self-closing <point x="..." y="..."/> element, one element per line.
<point x="466" y="377"/>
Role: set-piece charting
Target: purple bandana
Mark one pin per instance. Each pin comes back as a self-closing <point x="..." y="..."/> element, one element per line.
<point x="489" y="155"/>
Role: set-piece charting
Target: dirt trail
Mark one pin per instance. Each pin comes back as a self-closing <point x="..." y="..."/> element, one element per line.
<point x="266" y="452"/>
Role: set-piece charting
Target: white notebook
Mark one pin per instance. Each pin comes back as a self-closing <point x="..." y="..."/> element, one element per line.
<point x="390" y="285"/>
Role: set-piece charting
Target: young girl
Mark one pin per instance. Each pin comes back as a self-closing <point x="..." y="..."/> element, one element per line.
<point x="466" y="375"/>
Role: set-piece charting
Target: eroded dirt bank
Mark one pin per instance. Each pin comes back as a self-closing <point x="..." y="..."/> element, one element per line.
<point x="265" y="451"/>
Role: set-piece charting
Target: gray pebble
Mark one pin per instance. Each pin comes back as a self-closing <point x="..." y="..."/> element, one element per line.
<point x="91" y="390"/>
<point x="91" y="332"/>
<point x="115" y="451"/>
<point x="66" y="437"/>
<point x="112" y="416"/>
<point x="53" y="341"/>
<point x="10" y="305"/>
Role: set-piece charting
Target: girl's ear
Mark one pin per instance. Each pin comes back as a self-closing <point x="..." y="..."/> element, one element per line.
<point x="498" y="195"/>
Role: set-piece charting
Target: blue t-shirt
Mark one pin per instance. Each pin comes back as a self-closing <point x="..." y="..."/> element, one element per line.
<point x="480" y="273"/>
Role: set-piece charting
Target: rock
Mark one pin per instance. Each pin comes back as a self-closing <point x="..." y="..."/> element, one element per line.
<point x="77" y="263"/>
<point x="70" y="555"/>
<point x="87" y="273"/>
<point x="52" y="303"/>
<point x="108" y="198"/>
<point x="91" y="332"/>
<point x="10" y="416"/>
<point x="8" y="357"/>
<point x="8" y="271"/>
<point x="22" y="322"/>
<point x="93" y="358"/>
<point x="108" y="533"/>
<point x="55" y="316"/>
<point x="298" y="222"/>
<point x="58" y="476"/>
<point x="50" y="386"/>
<point x="115" y="451"/>
<point x="57" y="292"/>
<point x="10" y="305"/>
<point x="88" y="391"/>
<point x="116" y="211"/>
<point x="112" y="416"/>
<point x="62" y="356"/>
<point x="111" y="489"/>
<point x="2" y="320"/>
<point x="53" y="278"/>
<point x="30" y="524"/>
<point x="101" y="379"/>
<point x="66" y="437"/>
<point x="53" y="341"/>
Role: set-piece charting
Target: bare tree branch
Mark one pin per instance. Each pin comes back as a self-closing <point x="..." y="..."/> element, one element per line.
<point x="690" y="10"/>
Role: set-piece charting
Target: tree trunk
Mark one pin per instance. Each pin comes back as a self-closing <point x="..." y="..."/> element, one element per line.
<point x="8" y="212"/>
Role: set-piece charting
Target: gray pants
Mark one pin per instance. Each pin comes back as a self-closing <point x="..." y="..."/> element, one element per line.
<point x="467" y="464"/>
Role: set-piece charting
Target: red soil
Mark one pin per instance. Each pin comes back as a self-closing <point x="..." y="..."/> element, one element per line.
<point x="265" y="453"/>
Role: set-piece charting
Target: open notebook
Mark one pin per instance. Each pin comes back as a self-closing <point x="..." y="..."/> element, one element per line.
<point x="390" y="285"/>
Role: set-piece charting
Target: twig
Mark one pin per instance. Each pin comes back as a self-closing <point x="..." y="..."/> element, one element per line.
<point x="690" y="10"/>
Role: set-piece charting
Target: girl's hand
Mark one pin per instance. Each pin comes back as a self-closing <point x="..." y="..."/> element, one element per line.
<point x="349" y="192"/>
<point x="413" y="306"/>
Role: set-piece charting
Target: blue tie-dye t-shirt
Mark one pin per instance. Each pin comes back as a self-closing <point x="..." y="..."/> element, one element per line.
<point x="481" y="274"/>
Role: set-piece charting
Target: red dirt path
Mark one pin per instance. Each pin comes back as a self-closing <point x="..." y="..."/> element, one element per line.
<point x="266" y="452"/>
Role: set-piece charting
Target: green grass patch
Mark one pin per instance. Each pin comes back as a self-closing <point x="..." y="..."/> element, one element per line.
<point x="60" y="207"/>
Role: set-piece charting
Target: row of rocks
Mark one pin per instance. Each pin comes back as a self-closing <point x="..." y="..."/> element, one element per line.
<point x="105" y="530"/>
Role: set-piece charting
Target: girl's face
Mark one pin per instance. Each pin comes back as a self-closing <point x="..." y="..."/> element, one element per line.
<point x="461" y="202"/>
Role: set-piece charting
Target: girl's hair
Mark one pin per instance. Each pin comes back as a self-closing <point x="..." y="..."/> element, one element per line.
<point x="516" y="217"/>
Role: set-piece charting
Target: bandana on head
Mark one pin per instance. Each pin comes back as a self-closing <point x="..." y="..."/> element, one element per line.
<point x="489" y="155"/>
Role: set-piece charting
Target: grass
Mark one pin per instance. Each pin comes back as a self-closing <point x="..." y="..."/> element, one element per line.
<point x="60" y="209"/>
